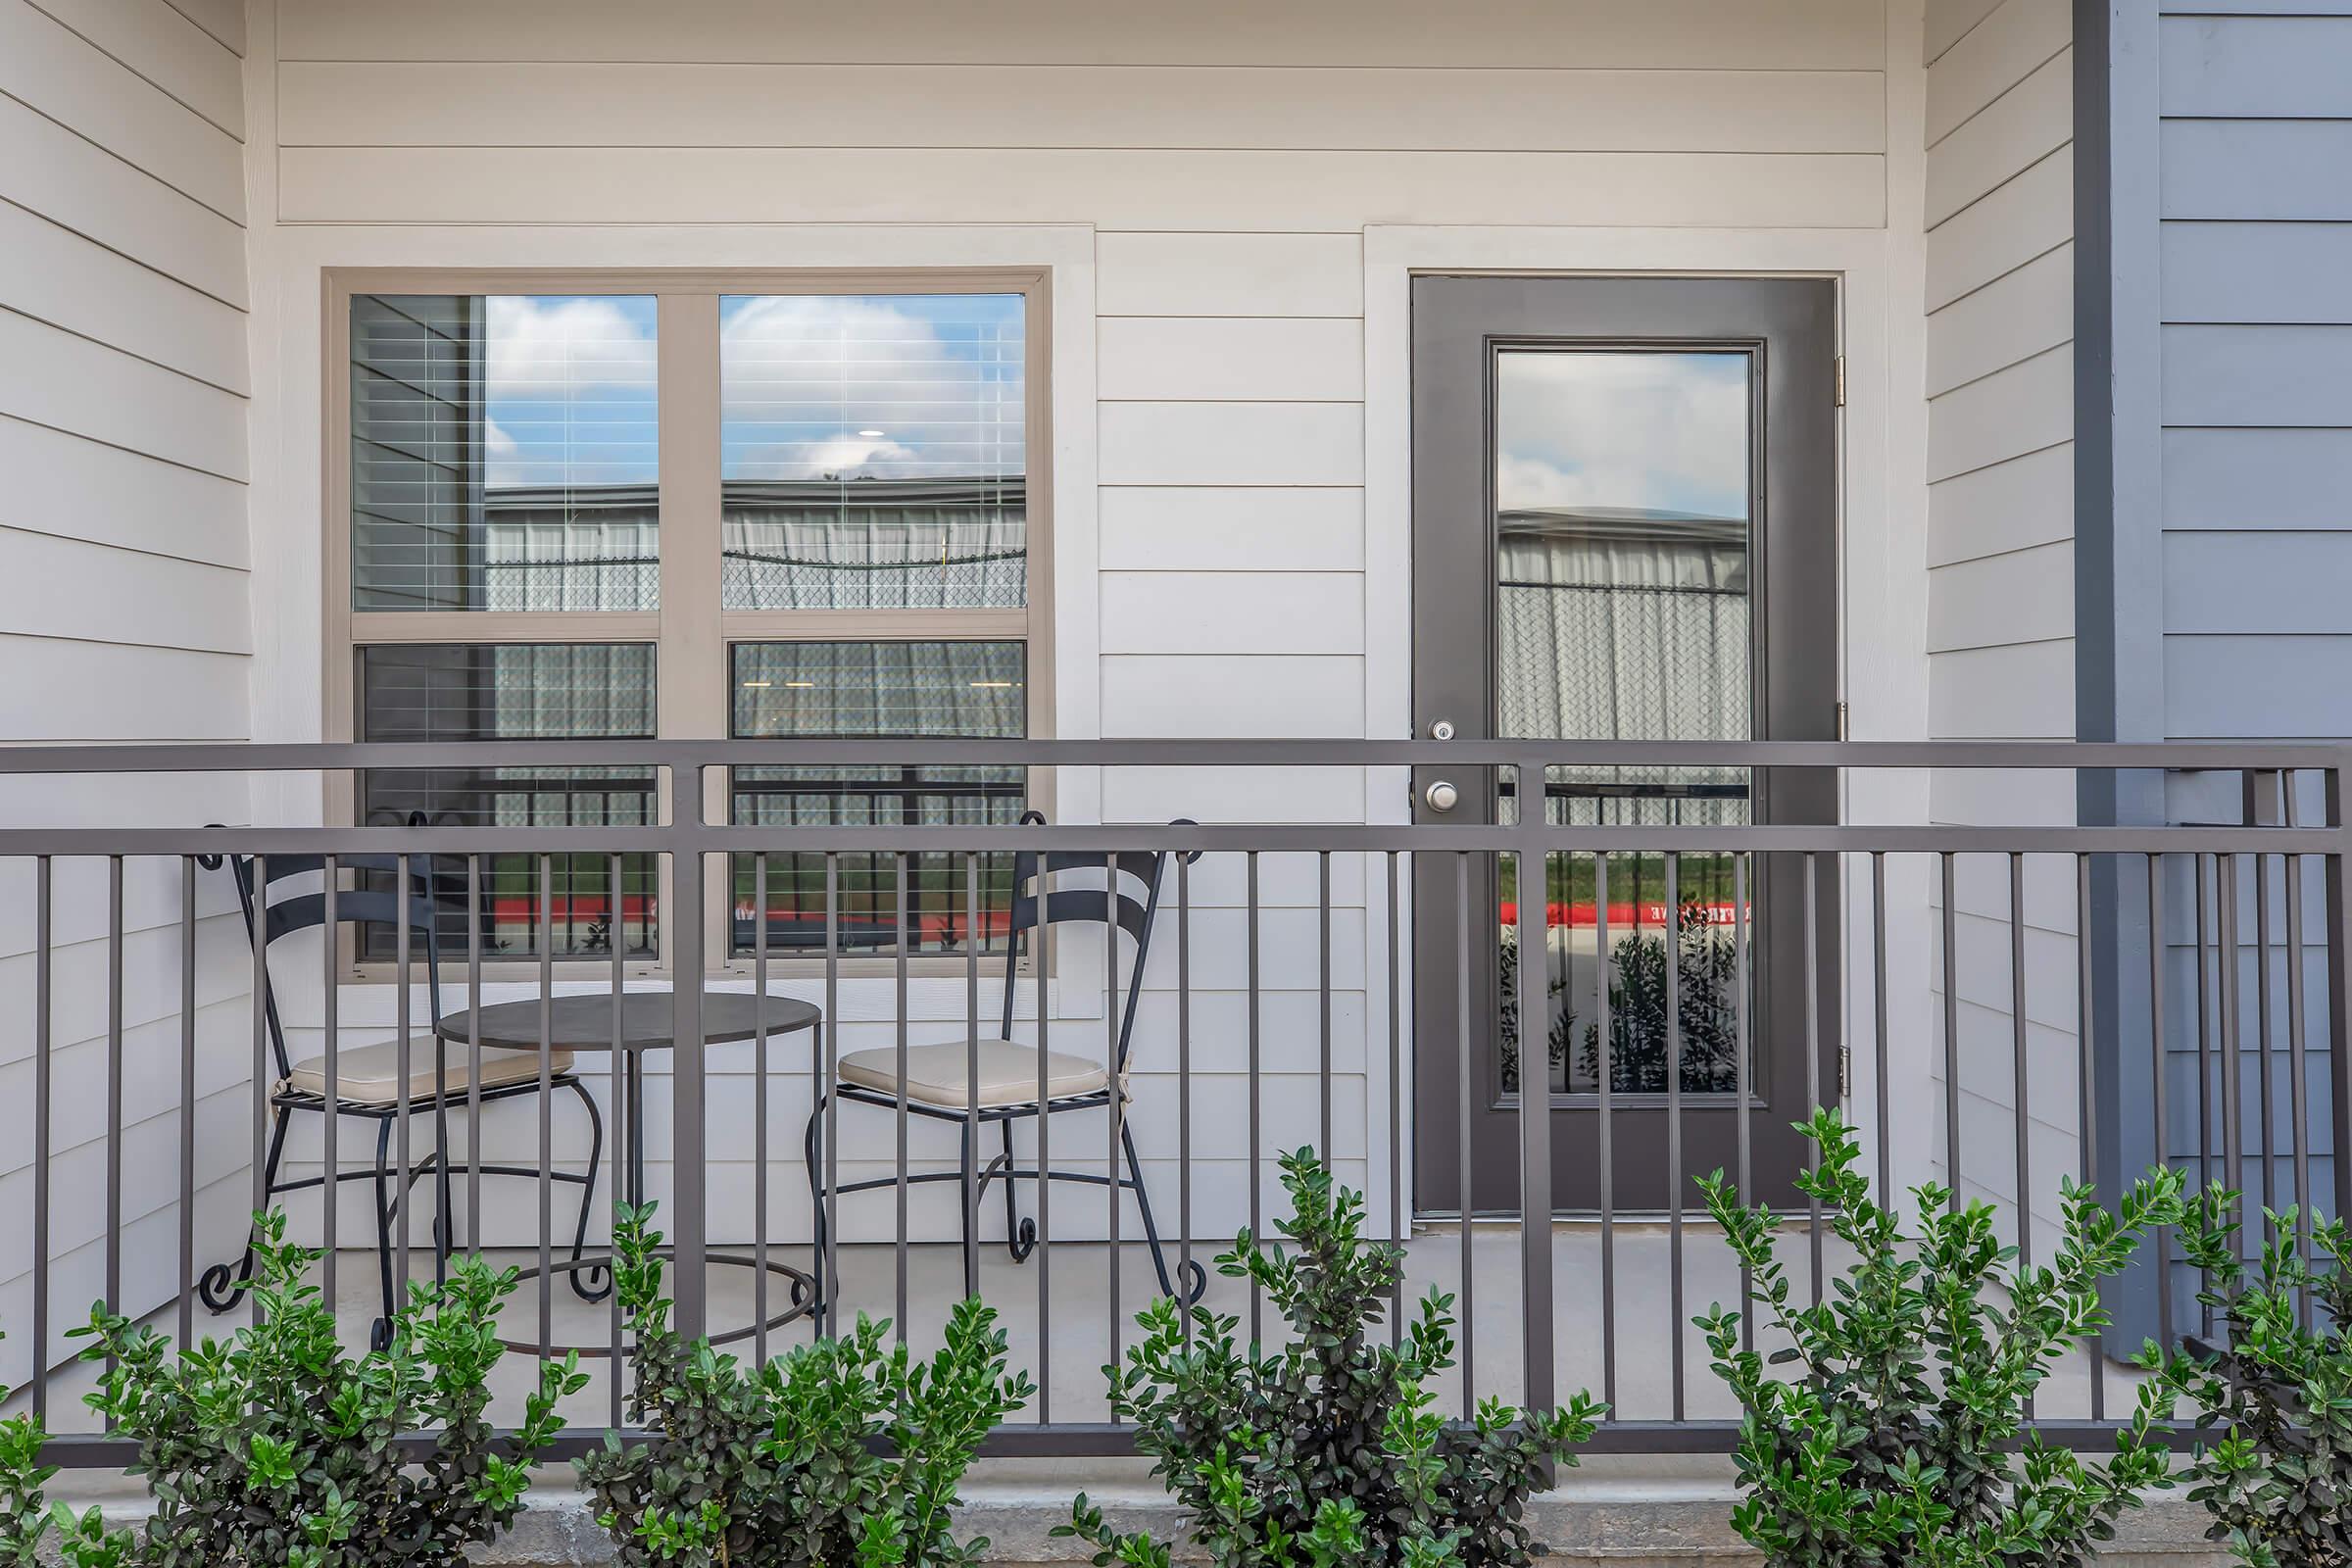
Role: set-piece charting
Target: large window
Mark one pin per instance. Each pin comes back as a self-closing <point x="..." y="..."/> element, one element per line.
<point x="557" y="488"/>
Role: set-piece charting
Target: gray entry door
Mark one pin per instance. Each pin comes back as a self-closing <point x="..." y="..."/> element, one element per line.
<point x="1625" y="529"/>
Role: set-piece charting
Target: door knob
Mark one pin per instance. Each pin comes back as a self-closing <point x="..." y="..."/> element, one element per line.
<point x="1442" y="796"/>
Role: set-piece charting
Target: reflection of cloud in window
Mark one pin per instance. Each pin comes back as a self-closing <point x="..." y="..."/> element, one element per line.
<point x="871" y="387"/>
<point x="570" y="391"/>
<point x="1650" y="431"/>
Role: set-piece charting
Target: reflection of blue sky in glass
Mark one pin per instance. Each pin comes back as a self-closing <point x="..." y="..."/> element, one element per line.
<point x="570" y="391"/>
<point x="884" y="386"/>
<point x="1640" y="431"/>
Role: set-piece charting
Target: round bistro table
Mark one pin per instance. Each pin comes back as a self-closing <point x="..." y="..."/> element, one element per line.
<point x="577" y="1023"/>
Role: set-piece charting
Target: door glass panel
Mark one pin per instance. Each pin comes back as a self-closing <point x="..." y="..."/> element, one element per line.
<point x="1622" y="605"/>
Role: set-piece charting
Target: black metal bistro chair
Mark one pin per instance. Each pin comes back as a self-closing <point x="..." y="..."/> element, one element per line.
<point x="367" y="1078"/>
<point x="940" y="1085"/>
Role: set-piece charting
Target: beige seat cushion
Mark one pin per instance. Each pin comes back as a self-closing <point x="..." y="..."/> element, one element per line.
<point x="936" y="1074"/>
<point x="369" y="1075"/>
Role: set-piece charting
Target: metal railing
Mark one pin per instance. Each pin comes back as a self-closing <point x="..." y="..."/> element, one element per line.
<point x="2147" y="1014"/>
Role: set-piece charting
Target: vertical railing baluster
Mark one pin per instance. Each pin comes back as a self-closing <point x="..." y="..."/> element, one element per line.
<point x="618" y="1185"/>
<point x="1112" y="1120"/>
<point x="1184" y="1084"/>
<point x="1878" y="999"/>
<point x="2298" y="1086"/>
<point x="2019" y="1068"/>
<point x="262" y="1074"/>
<point x="2159" y="1068"/>
<point x="1256" y="1098"/>
<point x="970" y="1189"/>
<point x="1039" y="963"/>
<point x="330" y="1187"/>
<point x="186" y="1279"/>
<point x="689" y="1137"/>
<point x="1535" y="1105"/>
<point x="2266" y="1097"/>
<point x="1465" y="1080"/>
<point x="43" y="961"/>
<point x="829" y="1215"/>
<point x="2086" y="1094"/>
<point x="2231" y="1059"/>
<point x="1813" y="1088"/>
<point x="474" y="1054"/>
<point x="2204" y="996"/>
<point x="758" y="1105"/>
<point x="904" y="1116"/>
<point x="2020" y="1112"/>
<point x="1395" y="1108"/>
<point x="1330" y="1155"/>
<point x="404" y="1059"/>
<point x="1743" y="1076"/>
<point x="1674" y="1119"/>
<point x="114" y="1087"/>
<point x="1603" y="1145"/>
<point x="547" y="1100"/>
<point x="1951" y="1035"/>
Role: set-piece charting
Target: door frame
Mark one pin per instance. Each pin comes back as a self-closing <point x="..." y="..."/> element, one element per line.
<point x="1882" y="545"/>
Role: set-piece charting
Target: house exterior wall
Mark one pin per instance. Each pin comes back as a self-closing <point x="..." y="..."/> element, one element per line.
<point x="124" y="378"/>
<point x="2252" y="274"/>
<point x="1212" y="174"/>
<point x="2000" y="614"/>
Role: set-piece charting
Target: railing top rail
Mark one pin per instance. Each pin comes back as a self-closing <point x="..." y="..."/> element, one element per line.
<point x="314" y="757"/>
<point x="1275" y="837"/>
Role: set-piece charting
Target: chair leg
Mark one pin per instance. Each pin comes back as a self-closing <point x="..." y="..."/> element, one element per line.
<point x="1195" y="1277"/>
<point x="219" y="1284"/>
<point x="1020" y="1235"/>
<point x="379" y="1334"/>
<point x="820" y="1302"/>
<point x="583" y="1284"/>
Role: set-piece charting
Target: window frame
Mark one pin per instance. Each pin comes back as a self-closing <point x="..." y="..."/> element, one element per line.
<point x="692" y="633"/>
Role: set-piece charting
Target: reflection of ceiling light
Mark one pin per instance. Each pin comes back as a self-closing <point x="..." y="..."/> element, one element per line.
<point x="799" y="685"/>
<point x="870" y="435"/>
<point x="754" y="685"/>
<point x="994" y="685"/>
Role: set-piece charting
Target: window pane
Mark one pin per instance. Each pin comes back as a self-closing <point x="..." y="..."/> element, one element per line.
<point x="882" y="689"/>
<point x="1622" y="483"/>
<point x="873" y="452"/>
<point x="506" y="692"/>
<point x="503" y="453"/>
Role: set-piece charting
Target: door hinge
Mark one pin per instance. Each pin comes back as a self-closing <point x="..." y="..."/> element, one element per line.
<point x="1841" y="722"/>
<point x="1840" y="379"/>
<point x="1845" y="1071"/>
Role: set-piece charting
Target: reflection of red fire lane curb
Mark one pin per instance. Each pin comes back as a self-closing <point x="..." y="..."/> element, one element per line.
<point x="1621" y="914"/>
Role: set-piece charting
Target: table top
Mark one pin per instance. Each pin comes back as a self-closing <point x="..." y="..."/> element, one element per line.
<point x="585" y="1022"/>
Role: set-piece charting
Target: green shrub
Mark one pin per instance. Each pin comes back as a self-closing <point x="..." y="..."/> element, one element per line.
<point x="1893" y="1444"/>
<point x="776" y="1465"/>
<point x="24" y="1510"/>
<point x="279" y="1451"/>
<point x="2279" y="1478"/>
<point x="1327" y="1450"/>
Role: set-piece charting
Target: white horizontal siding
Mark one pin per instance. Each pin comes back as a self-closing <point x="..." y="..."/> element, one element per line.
<point x="1232" y="444"/>
<point x="2259" y="375"/>
<point x="2258" y="67"/>
<point x="49" y="68"/>
<point x="2277" y="170"/>
<point x="1724" y="34"/>
<point x="1229" y="528"/>
<point x="1229" y="274"/>
<point x="174" y="55"/>
<point x="1233" y="612"/>
<point x="123" y="433"/>
<point x="541" y="103"/>
<point x="2000" y="584"/>
<point x="2224" y="479"/>
<point x="1182" y="189"/>
<point x="2232" y="272"/>
<point x="1206" y="359"/>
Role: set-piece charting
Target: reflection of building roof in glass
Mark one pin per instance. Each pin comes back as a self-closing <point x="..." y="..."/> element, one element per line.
<point x="789" y="544"/>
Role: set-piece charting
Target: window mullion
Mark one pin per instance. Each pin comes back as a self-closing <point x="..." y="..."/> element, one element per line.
<point x="692" y="666"/>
